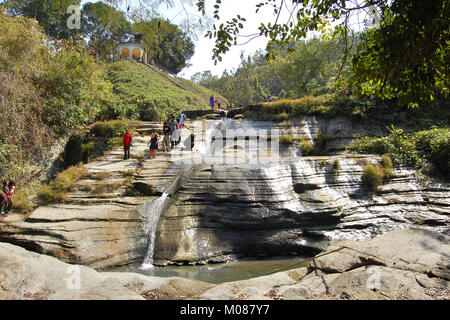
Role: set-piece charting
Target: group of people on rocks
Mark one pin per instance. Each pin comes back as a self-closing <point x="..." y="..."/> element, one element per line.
<point x="214" y="102"/>
<point x="171" y="137"/>
<point x="6" y="196"/>
<point x="172" y="134"/>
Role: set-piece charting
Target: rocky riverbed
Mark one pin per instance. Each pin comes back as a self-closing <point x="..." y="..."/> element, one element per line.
<point x="403" y="264"/>
<point x="227" y="198"/>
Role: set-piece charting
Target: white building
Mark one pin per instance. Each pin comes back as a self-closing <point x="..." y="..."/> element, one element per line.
<point x="131" y="50"/>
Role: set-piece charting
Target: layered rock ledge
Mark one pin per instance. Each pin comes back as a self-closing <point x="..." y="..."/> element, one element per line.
<point x="294" y="205"/>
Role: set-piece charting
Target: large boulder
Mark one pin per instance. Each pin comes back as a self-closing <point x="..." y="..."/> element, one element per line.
<point x="403" y="264"/>
<point x="28" y="275"/>
<point x="290" y="208"/>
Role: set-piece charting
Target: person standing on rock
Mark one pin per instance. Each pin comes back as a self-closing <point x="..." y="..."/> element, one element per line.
<point x="10" y="193"/>
<point x="127" y="138"/>
<point x="166" y="139"/>
<point x="174" y="132"/>
<point x="173" y="125"/>
<point x="211" y="102"/>
<point x="175" y="137"/>
<point x="4" y="200"/>
<point x="182" y="118"/>
<point x="153" y="152"/>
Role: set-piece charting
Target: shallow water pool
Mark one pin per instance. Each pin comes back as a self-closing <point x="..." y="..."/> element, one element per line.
<point x="223" y="272"/>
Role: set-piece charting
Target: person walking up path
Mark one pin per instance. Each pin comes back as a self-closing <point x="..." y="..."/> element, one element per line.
<point x="127" y="138"/>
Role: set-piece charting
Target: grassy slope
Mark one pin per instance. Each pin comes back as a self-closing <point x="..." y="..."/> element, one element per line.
<point x="150" y="90"/>
<point x="369" y="111"/>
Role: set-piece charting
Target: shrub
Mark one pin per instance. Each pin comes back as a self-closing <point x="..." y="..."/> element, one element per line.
<point x="103" y="135"/>
<point x="56" y="191"/>
<point x="434" y="145"/>
<point x="320" y="142"/>
<point x="318" y="148"/>
<point x="78" y="149"/>
<point x="402" y="150"/>
<point x="128" y="173"/>
<point x="21" y="202"/>
<point x="86" y="151"/>
<point x="101" y="175"/>
<point x="212" y="116"/>
<point x="411" y="150"/>
<point x="278" y="110"/>
<point x="386" y="161"/>
<point x="49" y="195"/>
<point x="281" y="117"/>
<point x="307" y="148"/>
<point x="286" y="124"/>
<point x="323" y="163"/>
<point x="372" y="177"/>
<point x="113" y="128"/>
<point x="112" y="143"/>
<point x="104" y="187"/>
<point x="286" y="139"/>
<point x="336" y="166"/>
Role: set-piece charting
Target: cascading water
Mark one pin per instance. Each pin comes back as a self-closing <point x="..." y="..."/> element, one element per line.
<point x="157" y="207"/>
<point x="205" y="146"/>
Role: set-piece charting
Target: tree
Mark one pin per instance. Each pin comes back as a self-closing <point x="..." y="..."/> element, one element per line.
<point x="313" y="64"/>
<point x="193" y="23"/>
<point x="204" y="76"/>
<point x="408" y="56"/>
<point x="307" y="71"/>
<point x="166" y="43"/>
<point x="177" y="49"/>
<point x="403" y="55"/>
<point x="51" y="14"/>
<point x="104" y="26"/>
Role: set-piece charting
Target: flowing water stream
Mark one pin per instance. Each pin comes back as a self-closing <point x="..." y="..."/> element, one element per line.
<point x="158" y="206"/>
<point x="216" y="273"/>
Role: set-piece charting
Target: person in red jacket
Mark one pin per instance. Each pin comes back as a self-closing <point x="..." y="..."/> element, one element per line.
<point x="127" y="138"/>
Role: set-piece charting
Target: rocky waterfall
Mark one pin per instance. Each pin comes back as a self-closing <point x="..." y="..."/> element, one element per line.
<point x="232" y="196"/>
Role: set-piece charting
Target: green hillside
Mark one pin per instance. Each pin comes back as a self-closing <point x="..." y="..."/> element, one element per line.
<point x="48" y="94"/>
<point x="145" y="93"/>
